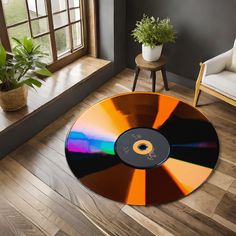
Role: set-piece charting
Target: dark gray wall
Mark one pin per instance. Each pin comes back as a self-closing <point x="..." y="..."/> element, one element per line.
<point x="205" y="29"/>
<point x="106" y="29"/>
<point x="112" y="32"/>
<point x="120" y="35"/>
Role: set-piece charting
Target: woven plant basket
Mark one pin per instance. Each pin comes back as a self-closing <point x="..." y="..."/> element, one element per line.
<point x="15" y="99"/>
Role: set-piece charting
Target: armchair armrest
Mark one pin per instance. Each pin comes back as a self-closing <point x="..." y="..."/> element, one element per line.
<point x="218" y="63"/>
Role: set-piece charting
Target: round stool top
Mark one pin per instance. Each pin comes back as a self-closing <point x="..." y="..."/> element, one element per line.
<point x="153" y="65"/>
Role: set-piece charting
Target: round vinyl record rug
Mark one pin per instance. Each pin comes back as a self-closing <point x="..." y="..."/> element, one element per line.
<point x="142" y="148"/>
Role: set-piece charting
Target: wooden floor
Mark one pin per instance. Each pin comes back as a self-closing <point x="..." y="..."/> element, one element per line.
<point x="40" y="196"/>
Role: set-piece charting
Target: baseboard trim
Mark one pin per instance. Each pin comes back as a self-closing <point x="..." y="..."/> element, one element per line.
<point x="178" y="79"/>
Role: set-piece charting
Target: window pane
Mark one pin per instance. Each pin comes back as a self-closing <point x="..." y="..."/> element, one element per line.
<point x="39" y="26"/>
<point x="58" y="5"/>
<point x="76" y="32"/>
<point x="45" y="46"/>
<point x="62" y="40"/>
<point x="32" y="8"/>
<point x="19" y="32"/>
<point x="60" y="19"/>
<point x="37" y="8"/>
<point x="15" y="11"/>
<point x="74" y="3"/>
<point x="75" y="15"/>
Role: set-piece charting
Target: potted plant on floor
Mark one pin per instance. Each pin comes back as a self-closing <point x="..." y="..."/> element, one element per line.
<point x="152" y="33"/>
<point x="19" y="70"/>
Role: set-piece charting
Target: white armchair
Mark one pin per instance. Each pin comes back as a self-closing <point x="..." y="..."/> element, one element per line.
<point x="215" y="79"/>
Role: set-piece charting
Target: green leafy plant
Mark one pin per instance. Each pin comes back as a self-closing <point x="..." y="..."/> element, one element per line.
<point x="23" y="66"/>
<point x="153" y="32"/>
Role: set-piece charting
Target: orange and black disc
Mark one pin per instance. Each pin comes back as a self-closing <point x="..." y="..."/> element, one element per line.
<point x="142" y="148"/>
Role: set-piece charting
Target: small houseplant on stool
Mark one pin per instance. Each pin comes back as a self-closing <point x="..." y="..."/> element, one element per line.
<point x="19" y="70"/>
<point x="152" y="33"/>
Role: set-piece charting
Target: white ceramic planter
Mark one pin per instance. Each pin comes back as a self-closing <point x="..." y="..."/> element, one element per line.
<point x="151" y="54"/>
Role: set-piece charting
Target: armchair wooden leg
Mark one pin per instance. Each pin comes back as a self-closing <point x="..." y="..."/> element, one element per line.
<point x="197" y="95"/>
<point x="198" y="84"/>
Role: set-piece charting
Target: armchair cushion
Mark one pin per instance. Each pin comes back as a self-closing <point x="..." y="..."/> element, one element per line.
<point x="232" y="64"/>
<point x="224" y="83"/>
<point x="218" y="63"/>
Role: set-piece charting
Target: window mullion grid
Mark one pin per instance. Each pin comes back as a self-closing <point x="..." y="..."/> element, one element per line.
<point x="82" y="26"/>
<point x="74" y="8"/>
<point x="39" y="18"/>
<point x="70" y="26"/>
<point x="28" y="14"/>
<point x="51" y="30"/>
<point x="40" y="35"/>
<point x="17" y="24"/>
<point x="3" y="30"/>
<point x="59" y="12"/>
<point x="36" y="8"/>
<point x="66" y="25"/>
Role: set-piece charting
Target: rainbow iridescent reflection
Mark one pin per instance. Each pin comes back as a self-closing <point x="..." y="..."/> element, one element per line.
<point x="81" y="143"/>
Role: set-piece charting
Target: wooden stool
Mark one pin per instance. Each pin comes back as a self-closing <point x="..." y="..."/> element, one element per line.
<point x="155" y="66"/>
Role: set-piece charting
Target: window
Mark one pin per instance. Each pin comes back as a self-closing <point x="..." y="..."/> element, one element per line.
<point x="57" y="25"/>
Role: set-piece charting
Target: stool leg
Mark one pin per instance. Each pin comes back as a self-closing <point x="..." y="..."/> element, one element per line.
<point x="137" y="70"/>
<point x="163" y="71"/>
<point x="153" y="75"/>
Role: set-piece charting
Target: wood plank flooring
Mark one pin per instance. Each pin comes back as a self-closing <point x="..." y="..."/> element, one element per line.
<point x="40" y="196"/>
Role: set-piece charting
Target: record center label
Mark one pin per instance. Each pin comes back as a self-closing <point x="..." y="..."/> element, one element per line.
<point x="142" y="148"/>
